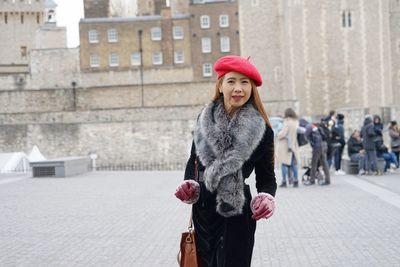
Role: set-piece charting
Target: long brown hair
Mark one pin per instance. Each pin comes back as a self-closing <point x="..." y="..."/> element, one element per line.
<point x="254" y="98"/>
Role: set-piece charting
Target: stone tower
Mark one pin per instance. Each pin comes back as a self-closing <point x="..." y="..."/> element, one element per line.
<point x="96" y="8"/>
<point x="19" y="22"/>
<point x="322" y="54"/>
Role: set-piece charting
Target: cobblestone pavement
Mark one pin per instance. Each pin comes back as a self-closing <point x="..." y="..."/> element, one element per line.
<point x="133" y="219"/>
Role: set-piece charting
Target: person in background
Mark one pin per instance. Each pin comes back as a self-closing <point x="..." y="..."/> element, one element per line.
<point x="368" y="136"/>
<point x="316" y="136"/>
<point x="394" y="133"/>
<point x="288" y="148"/>
<point x="233" y="137"/>
<point x="382" y="150"/>
<point x="339" y="140"/>
<point x="330" y="122"/>
<point x="356" y="151"/>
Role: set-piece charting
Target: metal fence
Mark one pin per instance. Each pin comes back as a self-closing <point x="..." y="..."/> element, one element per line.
<point x="143" y="166"/>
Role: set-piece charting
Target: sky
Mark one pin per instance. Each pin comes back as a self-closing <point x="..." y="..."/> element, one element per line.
<point x="69" y="12"/>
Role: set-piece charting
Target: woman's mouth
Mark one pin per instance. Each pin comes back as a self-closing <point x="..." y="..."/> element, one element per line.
<point x="237" y="98"/>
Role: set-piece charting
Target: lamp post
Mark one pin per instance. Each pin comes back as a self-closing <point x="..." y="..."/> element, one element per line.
<point x="73" y="83"/>
<point x="140" y="32"/>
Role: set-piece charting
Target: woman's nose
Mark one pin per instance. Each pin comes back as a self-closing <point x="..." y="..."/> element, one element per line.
<point x="238" y="87"/>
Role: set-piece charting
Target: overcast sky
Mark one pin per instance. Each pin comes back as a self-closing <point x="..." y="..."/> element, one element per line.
<point x="69" y="12"/>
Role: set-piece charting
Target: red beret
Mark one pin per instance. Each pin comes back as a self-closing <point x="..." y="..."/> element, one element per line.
<point x="237" y="64"/>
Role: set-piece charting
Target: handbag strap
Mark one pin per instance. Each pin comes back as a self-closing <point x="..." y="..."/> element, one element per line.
<point x="196" y="176"/>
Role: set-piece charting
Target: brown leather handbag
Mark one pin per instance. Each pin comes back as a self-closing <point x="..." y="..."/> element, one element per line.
<point x="187" y="256"/>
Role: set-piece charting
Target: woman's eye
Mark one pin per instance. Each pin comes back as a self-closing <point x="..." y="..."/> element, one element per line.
<point x="245" y="82"/>
<point x="231" y="82"/>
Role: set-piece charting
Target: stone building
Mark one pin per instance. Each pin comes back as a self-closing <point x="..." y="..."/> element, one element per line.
<point x="325" y="54"/>
<point x="169" y="40"/>
<point x="121" y="44"/>
<point x="24" y="26"/>
<point x="214" y="33"/>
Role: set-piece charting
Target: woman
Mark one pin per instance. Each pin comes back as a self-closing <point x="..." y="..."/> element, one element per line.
<point x="287" y="147"/>
<point x="394" y="133"/>
<point x="232" y="138"/>
<point x="356" y="151"/>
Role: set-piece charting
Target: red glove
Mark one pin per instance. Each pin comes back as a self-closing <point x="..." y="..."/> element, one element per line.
<point x="188" y="191"/>
<point x="262" y="206"/>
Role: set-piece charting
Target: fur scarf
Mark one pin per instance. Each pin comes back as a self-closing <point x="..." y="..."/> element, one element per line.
<point x="223" y="144"/>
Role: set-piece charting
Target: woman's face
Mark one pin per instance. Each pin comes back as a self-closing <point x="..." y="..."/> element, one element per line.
<point x="356" y="134"/>
<point x="236" y="89"/>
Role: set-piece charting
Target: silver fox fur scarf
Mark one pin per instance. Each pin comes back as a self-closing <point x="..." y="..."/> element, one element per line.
<point x="223" y="144"/>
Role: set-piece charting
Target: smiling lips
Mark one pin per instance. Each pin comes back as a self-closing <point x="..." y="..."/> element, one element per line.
<point x="237" y="98"/>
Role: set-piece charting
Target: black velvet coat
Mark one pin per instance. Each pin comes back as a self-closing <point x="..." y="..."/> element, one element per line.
<point x="228" y="242"/>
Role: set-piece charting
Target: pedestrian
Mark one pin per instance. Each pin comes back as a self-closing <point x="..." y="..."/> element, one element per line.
<point x="368" y="136"/>
<point x="287" y="147"/>
<point x="356" y="151"/>
<point x="394" y="133"/>
<point x="316" y="135"/>
<point x="232" y="138"/>
<point x="338" y="141"/>
<point x="382" y="150"/>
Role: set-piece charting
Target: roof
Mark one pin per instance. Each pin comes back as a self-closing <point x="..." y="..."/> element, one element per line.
<point x="131" y="19"/>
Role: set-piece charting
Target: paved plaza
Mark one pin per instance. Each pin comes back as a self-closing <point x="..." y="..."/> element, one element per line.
<point x="133" y="219"/>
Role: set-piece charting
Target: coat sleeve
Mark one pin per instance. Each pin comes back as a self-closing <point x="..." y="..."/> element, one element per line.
<point x="191" y="165"/>
<point x="283" y="133"/>
<point x="264" y="168"/>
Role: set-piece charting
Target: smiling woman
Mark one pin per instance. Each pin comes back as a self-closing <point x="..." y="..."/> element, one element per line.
<point x="236" y="89"/>
<point x="232" y="138"/>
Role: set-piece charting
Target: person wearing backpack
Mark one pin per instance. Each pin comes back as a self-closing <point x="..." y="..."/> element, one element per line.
<point x="368" y="135"/>
<point x="339" y="141"/>
<point x="317" y="136"/>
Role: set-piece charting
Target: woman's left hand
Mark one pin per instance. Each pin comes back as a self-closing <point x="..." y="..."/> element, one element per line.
<point x="262" y="206"/>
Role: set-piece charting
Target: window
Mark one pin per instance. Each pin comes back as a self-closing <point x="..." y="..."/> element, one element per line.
<point x="22" y="18"/>
<point x="225" y="44"/>
<point x="177" y="32"/>
<point x="156" y="34"/>
<point x="93" y="36"/>
<point x="205" y="22"/>
<point x="207" y="70"/>
<point x="157" y="58"/>
<point x="346" y="19"/>
<point x="113" y="60"/>
<point x="224" y="21"/>
<point x="6" y="18"/>
<point x="24" y="51"/>
<point x="135" y="59"/>
<point x="38" y="18"/>
<point x="94" y="61"/>
<point x="112" y="36"/>
<point x="179" y="57"/>
<point x="206" y="45"/>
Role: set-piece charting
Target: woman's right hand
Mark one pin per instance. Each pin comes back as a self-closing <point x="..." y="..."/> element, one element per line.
<point x="188" y="191"/>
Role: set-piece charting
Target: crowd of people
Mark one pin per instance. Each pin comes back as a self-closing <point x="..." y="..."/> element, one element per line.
<point x="365" y="147"/>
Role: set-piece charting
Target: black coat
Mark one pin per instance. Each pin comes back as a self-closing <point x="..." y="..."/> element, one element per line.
<point x="368" y="135"/>
<point x="354" y="146"/>
<point x="228" y="242"/>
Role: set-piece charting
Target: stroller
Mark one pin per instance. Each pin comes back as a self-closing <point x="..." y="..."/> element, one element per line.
<point x="307" y="174"/>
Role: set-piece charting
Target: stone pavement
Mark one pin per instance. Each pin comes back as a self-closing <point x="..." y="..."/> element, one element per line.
<point x="133" y="219"/>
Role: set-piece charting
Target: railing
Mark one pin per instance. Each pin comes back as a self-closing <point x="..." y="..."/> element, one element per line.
<point x="143" y="166"/>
